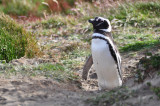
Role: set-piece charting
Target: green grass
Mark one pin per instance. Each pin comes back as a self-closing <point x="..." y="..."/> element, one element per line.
<point x="18" y="7"/>
<point x="153" y="61"/>
<point x="15" y="42"/>
<point x="47" y="70"/>
<point x="55" y="71"/>
<point x="147" y="65"/>
<point x="111" y="97"/>
<point x="23" y="7"/>
<point x="156" y="90"/>
<point x="138" y="45"/>
<point x="73" y="60"/>
<point x="139" y="14"/>
<point x="51" y="23"/>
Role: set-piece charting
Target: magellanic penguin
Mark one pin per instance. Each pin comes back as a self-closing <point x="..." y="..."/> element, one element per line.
<point x="106" y="58"/>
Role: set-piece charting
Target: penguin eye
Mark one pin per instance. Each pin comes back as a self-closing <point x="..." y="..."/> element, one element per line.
<point x="100" y="20"/>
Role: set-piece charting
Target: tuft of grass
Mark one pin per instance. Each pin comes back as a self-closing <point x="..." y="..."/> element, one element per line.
<point x="147" y="65"/>
<point x="150" y="8"/>
<point x="153" y="60"/>
<point x="138" y="45"/>
<point x="50" y="23"/>
<point x="55" y="71"/>
<point x="15" y="42"/>
<point x="110" y="97"/>
<point x="156" y="90"/>
<point x="139" y="14"/>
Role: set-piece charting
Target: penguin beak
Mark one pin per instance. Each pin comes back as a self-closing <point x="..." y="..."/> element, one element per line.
<point x="91" y="20"/>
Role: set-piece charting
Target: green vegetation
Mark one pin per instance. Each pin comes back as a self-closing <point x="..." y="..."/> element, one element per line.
<point x="139" y="45"/>
<point x="17" y="7"/>
<point x="51" y="23"/>
<point x="48" y="70"/>
<point x="139" y="14"/>
<point x="55" y="71"/>
<point x="32" y="7"/>
<point x="156" y="90"/>
<point x="113" y="96"/>
<point x="23" y="7"/>
<point x="153" y="61"/>
<point x="15" y="42"/>
<point x="147" y="65"/>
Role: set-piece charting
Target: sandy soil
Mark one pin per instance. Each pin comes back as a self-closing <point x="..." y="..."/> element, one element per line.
<point x="40" y="92"/>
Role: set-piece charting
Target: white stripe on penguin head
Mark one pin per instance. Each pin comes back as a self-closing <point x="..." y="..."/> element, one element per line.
<point x="109" y="27"/>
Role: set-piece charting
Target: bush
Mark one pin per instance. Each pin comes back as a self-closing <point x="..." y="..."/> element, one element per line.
<point x="34" y="7"/>
<point x="15" y="42"/>
<point x="17" y="7"/>
<point x="23" y="7"/>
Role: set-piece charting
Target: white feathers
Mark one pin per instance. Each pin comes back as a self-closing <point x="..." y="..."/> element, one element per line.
<point x="104" y="63"/>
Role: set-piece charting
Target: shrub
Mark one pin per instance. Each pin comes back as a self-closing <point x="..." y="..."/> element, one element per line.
<point x="34" y="7"/>
<point x="23" y="7"/>
<point x="18" y="7"/>
<point x="15" y="42"/>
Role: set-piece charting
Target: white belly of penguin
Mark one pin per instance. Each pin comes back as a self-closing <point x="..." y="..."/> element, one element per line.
<point x="105" y="66"/>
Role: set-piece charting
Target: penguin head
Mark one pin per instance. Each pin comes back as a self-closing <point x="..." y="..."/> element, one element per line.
<point x="100" y="23"/>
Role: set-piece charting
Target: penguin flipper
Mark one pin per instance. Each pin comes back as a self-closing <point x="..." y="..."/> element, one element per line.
<point x="87" y="67"/>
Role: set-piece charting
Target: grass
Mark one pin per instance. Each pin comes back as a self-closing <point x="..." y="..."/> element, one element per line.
<point x="139" y="14"/>
<point x="18" y="7"/>
<point x="15" y="42"/>
<point x="136" y="46"/>
<point x="55" y="71"/>
<point x="52" y="71"/>
<point x="74" y="60"/>
<point x="147" y="66"/>
<point x="50" y="23"/>
<point x="153" y="61"/>
<point x="111" y="97"/>
<point x="23" y="7"/>
<point x="156" y="90"/>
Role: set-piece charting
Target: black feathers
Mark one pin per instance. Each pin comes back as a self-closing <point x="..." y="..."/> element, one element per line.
<point x="99" y="23"/>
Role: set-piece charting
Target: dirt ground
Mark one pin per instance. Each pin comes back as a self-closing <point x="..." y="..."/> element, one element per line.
<point x="40" y="92"/>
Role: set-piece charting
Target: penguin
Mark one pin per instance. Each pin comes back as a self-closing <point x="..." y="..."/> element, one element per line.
<point x="105" y="55"/>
